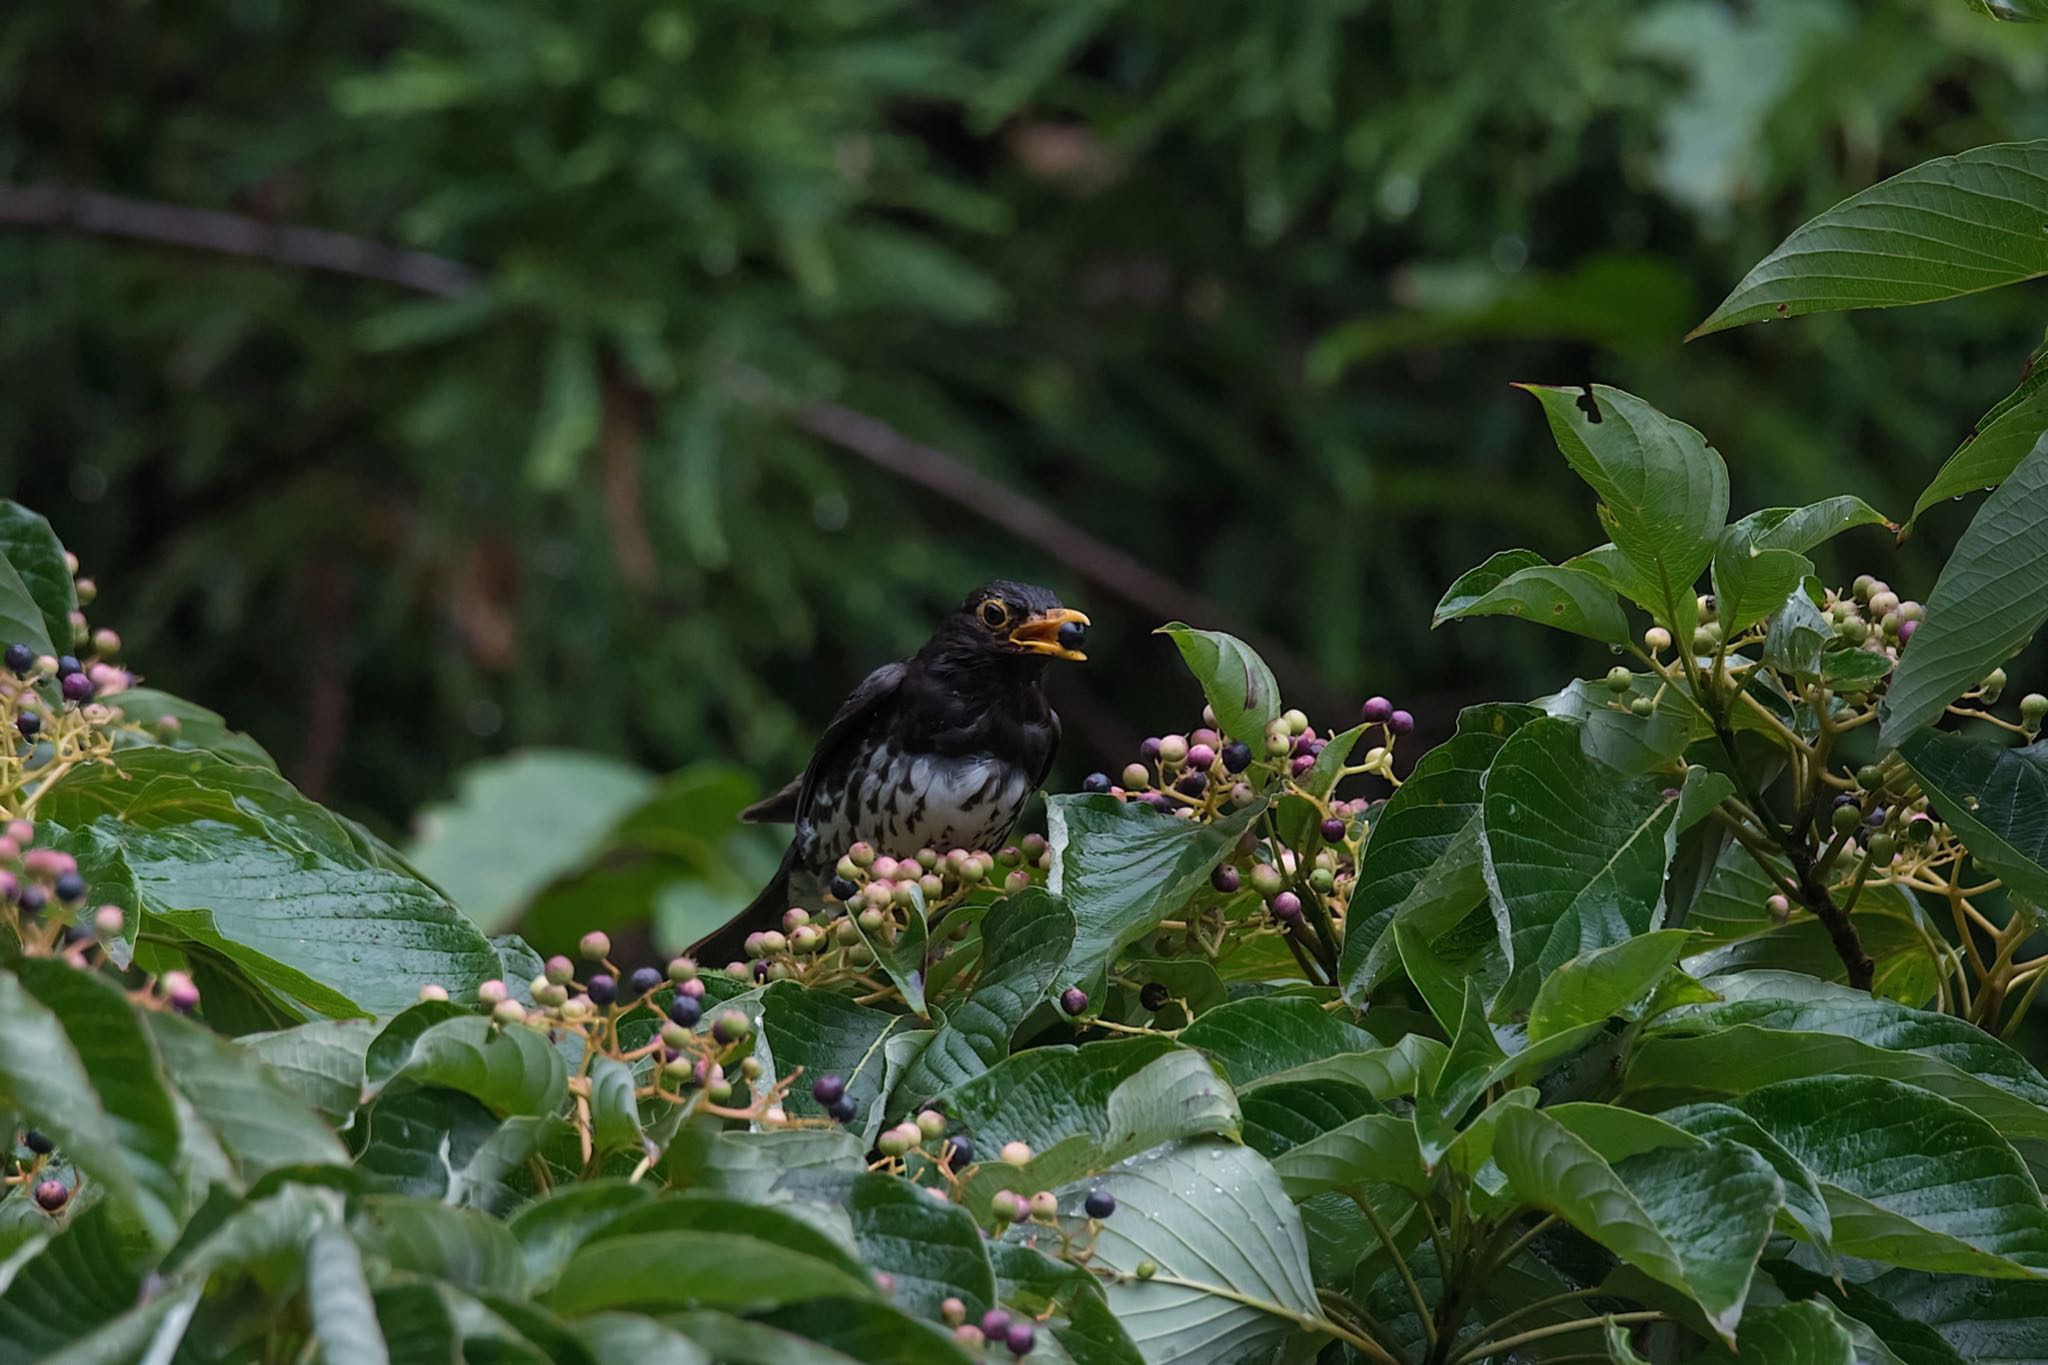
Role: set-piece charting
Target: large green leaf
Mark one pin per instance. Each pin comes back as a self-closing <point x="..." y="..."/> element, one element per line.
<point x="512" y="1070"/>
<point x="1805" y="1202"/>
<point x="551" y="1228"/>
<point x="1929" y="1319"/>
<point x="344" y="1319"/>
<point x="1371" y="1149"/>
<point x="21" y="620"/>
<point x="261" y="1124"/>
<point x="1604" y="982"/>
<point x="813" y="1033"/>
<point x="1081" y="1323"/>
<point x="1796" y="1334"/>
<point x="1521" y="583"/>
<point x="1694" y="1218"/>
<point x="32" y="549"/>
<point x="1235" y="680"/>
<point x="1215" y="1296"/>
<point x="1415" y="829"/>
<point x="931" y="1249"/>
<point x="198" y="728"/>
<point x="235" y="858"/>
<point x="1775" y="1026"/>
<point x="1761" y="558"/>
<point x="1575" y="854"/>
<point x="1460" y="1081"/>
<point x="1123" y="868"/>
<point x="1954" y="225"/>
<point x="460" y="1246"/>
<point x="1911" y="1179"/>
<point x="78" y="1065"/>
<point x="1025" y="940"/>
<point x="322" y="1062"/>
<point x="518" y="822"/>
<point x="1262" y="1036"/>
<point x="825" y="1331"/>
<point x="614" y="1111"/>
<point x="1995" y="798"/>
<point x="1999" y="441"/>
<point x="674" y="1270"/>
<point x="1663" y="491"/>
<point x="1617" y="737"/>
<point x="1990" y="598"/>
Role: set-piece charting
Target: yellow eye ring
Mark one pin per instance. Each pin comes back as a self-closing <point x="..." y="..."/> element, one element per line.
<point x="994" y="615"/>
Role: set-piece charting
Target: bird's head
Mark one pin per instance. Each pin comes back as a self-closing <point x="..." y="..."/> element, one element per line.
<point x="1016" y="620"/>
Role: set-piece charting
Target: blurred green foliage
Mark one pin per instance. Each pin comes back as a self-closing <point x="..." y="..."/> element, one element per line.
<point x="1236" y="288"/>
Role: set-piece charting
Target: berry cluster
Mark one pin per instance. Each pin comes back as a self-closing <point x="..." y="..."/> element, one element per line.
<point x="34" y="1172"/>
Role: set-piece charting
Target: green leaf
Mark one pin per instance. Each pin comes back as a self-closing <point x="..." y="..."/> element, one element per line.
<point x="1414" y="832"/>
<point x="259" y="1122"/>
<point x="1995" y="798"/>
<point x="78" y="1066"/>
<point x="826" y="1331"/>
<point x="614" y="1112"/>
<point x="1805" y="1203"/>
<point x="1796" y="1334"/>
<point x="338" y="1300"/>
<point x="1618" y="738"/>
<point x="814" y="1033"/>
<point x="461" y="1246"/>
<point x="1762" y="558"/>
<point x="518" y="822"/>
<point x="1265" y="1035"/>
<point x="1911" y="1179"/>
<point x="198" y="728"/>
<point x="1025" y="941"/>
<point x="1954" y="225"/>
<point x="551" y="1228"/>
<point x="791" y="1226"/>
<point x="32" y="549"/>
<point x="1774" y="1026"/>
<point x="1081" y="1323"/>
<point x="1601" y="984"/>
<point x="1370" y="1149"/>
<point x="570" y="411"/>
<point x="1940" y="1319"/>
<point x="1663" y="491"/>
<point x="234" y="858"/>
<point x="87" y="1275"/>
<point x="932" y="1249"/>
<point x="1080" y="1112"/>
<point x="1798" y="634"/>
<point x="1235" y="680"/>
<point x="1518" y="583"/>
<point x="1575" y="855"/>
<point x="1123" y="868"/>
<point x="511" y="1069"/>
<point x="1459" y="1083"/>
<point x="628" y="1336"/>
<point x="1212" y="1299"/>
<point x="1694" y="1218"/>
<point x="21" y="620"/>
<point x="1995" y="446"/>
<point x="322" y="1062"/>
<point x="1990" y="598"/>
<point x="660" y="1271"/>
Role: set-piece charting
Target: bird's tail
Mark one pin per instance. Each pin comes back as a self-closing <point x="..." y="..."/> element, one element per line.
<point x="727" y="943"/>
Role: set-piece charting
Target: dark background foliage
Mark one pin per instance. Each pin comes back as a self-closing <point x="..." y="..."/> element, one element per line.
<point x="1236" y="291"/>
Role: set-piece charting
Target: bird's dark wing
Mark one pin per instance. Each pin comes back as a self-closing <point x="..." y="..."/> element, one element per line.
<point x="854" y="714"/>
<point x="779" y="809"/>
<point x="1038" y="782"/>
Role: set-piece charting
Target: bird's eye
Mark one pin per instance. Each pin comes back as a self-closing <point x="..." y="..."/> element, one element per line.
<point x="994" y="615"/>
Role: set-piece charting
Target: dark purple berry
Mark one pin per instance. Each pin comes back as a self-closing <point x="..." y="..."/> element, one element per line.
<point x="1400" y="722"/>
<point x="1073" y="635"/>
<point x="1074" y="1000"/>
<point x="1149" y="750"/>
<point x="644" y="979"/>
<point x="1286" y="906"/>
<point x="68" y="664"/>
<point x="994" y="1323"/>
<point x="1153" y="995"/>
<point x="1845" y="799"/>
<point x="1237" y="757"/>
<point x="1100" y="1203"/>
<point x="33" y="898"/>
<point x="685" y="1010"/>
<point x="1376" y="710"/>
<point x="18" y="658"/>
<point x="76" y="687"/>
<point x="1876" y="816"/>
<point x="1304" y="744"/>
<point x="731" y="1027"/>
<point x="77" y="935"/>
<point x="1333" y="830"/>
<point x="37" y="1142"/>
<point x="29" y="723"/>
<point x="1224" y="878"/>
<point x="70" y="888"/>
<point x="1095" y="783"/>
<point x="844" y="1110"/>
<point x="1020" y="1338"/>
<point x="602" y="988"/>
<point x="760" y="969"/>
<point x="52" y="1195"/>
<point x="1156" y="800"/>
<point x="1193" y="782"/>
<point x="961" y="1149"/>
<point x="827" y="1089"/>
<point x="1302" y="763"/>
<point x="844" y="889"/>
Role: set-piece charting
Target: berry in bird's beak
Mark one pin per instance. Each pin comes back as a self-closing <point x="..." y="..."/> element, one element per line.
<point x="1059" y="633"/>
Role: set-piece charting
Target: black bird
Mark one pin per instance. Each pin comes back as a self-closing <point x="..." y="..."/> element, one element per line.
<point x="939" y="751"/>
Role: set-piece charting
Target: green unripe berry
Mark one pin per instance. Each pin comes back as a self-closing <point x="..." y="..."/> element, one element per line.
<point x="1854" y="631"/>
<point x="508" y="1012"/>
<point x="1173" y="749"/>
<point x="1880" y="847"/>
<point x="1656" y="639"/>
<point x="560" y="970"/>
<point x="595" y="945"/>
<point x="773" y="942"/>
<point x="675" y="1037"/>
<point x="1993" y="684"/>
<point x="1870" y="777"/>
<point x="1267" y="879"/>
<point x="1044" y="1205"/>
<point x="1643" y="706"/>
<point x="1279" y="744"/>
<point x="1323" y="879"/>
<point x="1147" y="1269"/>
<point x="1846" y="818"/>
<point x="1863" y="587"/>
<point x="1015" y="1153"/>
<point x="1619" y="679"/>
<point x="1706" y="638"/>
<point x="2033" y="708"/>
<point x="1297" y="721"/>
<point x="931" y="1123"/>
<point x="678" y="1071"/>
<point x="893" y="1143"/>
<point x="1005" y="1205"/>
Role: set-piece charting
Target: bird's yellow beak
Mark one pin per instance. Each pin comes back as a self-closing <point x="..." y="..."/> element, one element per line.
<point x="1058" y="633"/>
